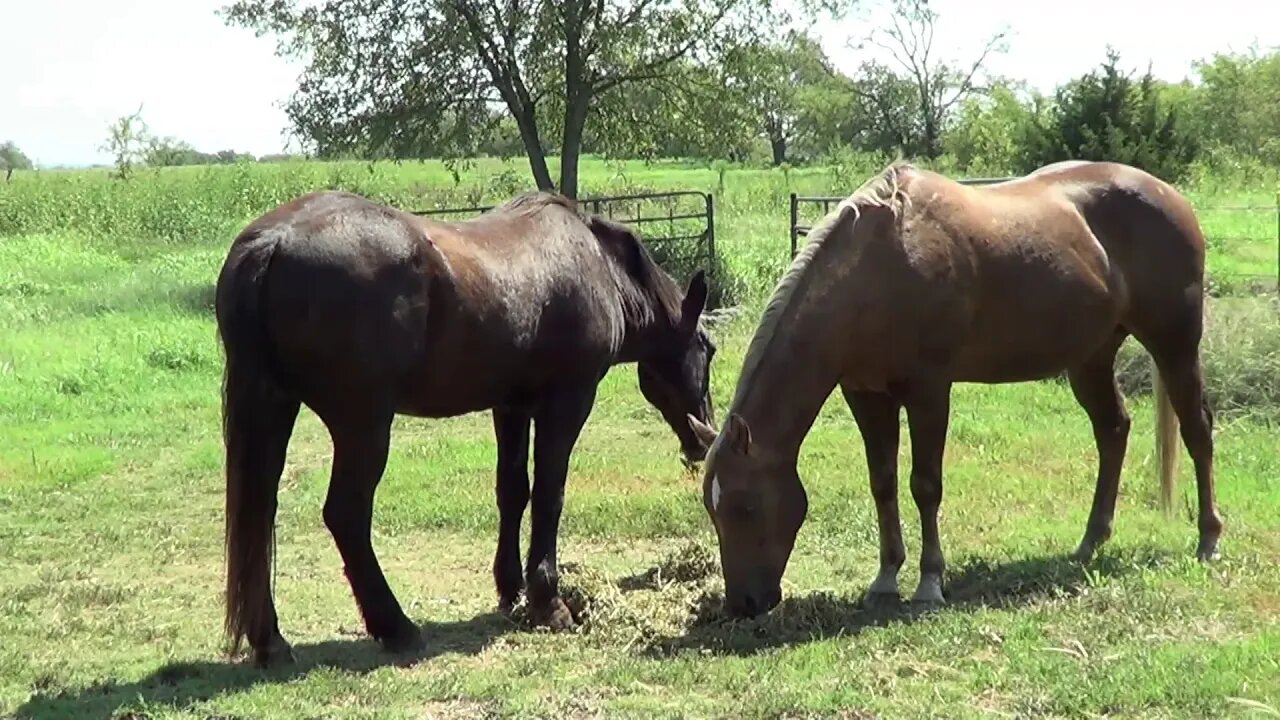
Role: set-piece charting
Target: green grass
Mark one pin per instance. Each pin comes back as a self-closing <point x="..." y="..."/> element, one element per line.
<point x="111" y="496"/>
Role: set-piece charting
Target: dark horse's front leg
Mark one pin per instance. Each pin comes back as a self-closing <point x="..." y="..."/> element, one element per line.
<point x="558" y="420"/>
<point x="511" y="428"/>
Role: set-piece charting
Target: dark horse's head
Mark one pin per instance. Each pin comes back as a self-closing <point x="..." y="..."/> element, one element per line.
<point x="676" y="379"/>
<point x="674" y="351"/>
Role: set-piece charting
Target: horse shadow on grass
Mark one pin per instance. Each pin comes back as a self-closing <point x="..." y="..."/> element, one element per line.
<point x="180" y="685"/>
<point x="971" y="584"/>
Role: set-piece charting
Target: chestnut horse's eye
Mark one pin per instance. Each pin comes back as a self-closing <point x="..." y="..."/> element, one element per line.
<point x="741" y="508"/>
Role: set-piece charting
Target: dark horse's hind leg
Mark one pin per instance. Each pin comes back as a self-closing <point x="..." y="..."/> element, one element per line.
<point x="259" y="442"/>
<point x="1184" y="381"/>
<point x="558" y="422"/>
<point x="1094" y="385"/>
<point x="511" y="427"/>
<point x="359" y="457"/>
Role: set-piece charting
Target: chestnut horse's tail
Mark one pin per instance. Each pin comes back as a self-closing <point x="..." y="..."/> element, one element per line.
<point x="1166" y="444"/>
<point x="257" y="420"/>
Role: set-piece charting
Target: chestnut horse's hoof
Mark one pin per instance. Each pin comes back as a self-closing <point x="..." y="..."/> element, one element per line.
<point x="876" y="601"/>
<point x="1208" y="552"/>
<point x="928" y="593"/>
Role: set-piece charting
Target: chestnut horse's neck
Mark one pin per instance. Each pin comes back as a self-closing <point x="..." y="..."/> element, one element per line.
<point x="795" y="358"/>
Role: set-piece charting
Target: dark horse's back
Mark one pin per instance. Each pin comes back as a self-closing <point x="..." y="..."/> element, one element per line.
<point x="365" y="305"/>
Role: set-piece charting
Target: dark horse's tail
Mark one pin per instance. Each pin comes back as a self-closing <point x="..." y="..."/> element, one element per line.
<point x="257" y="420"/>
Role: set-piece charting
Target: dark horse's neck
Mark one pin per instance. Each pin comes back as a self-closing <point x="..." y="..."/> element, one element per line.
<point x="646" y="322"/>
<point x="648" y="302"/>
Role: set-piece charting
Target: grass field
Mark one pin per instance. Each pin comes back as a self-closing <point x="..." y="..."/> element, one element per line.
<point x="111" y="510"/>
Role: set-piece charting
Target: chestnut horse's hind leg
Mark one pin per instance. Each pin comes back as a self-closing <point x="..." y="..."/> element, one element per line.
<point x="1094" y="385"/>
<point x="359" y="458"/>
<point x="511" y="428"/>
<point x="928" y="413"/>
<point x="558" y="423"/>
<point x="1184" y="380"/>
<point x="877" y="418"/>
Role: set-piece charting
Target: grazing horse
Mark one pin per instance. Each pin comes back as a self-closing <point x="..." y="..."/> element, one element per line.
<point x="916" y="282"/>
<point x="363" y="312"/>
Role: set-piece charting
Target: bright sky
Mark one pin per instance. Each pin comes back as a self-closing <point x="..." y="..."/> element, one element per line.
<point x="70" y="67"/>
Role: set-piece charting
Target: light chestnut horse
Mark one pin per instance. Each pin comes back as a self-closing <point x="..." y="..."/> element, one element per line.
<point x="916" y="282"/>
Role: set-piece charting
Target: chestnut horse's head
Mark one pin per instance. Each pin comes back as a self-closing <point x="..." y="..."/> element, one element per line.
<point x="757" y="504"/>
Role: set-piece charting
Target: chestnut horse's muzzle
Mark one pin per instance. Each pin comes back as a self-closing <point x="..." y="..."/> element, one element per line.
<point x="753" y="603"/>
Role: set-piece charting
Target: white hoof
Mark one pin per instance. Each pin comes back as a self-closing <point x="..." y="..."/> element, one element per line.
<point x="886" y="583"/>
<point x="929" y="592"/>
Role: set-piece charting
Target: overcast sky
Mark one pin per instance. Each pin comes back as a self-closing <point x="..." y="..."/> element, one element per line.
<point x="70" y="67"/>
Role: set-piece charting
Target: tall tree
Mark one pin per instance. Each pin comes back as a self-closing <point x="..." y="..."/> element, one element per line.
<point x="1108" y="115"/>
<point x="415" y="77"/>
<point x="11" y="158"/>
<point x="1237" y="103"/>
<point x="781" y="81"/>
<point x="935" y="85"/>
<point x="128" y="140"/>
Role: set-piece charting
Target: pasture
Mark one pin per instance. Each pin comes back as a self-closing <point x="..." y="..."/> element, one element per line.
<point x="111" y="504"/>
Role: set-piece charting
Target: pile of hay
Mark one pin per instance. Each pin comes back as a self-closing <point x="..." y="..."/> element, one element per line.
<point x="658" y="603"/>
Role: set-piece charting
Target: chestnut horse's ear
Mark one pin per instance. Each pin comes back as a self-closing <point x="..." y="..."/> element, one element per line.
<point x="695" y="300"/>
<point x="705" y="433"/>
<point x="737" y="436"/>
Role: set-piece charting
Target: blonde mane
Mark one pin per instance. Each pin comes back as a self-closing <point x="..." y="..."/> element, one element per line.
<point x="883" y="189"/>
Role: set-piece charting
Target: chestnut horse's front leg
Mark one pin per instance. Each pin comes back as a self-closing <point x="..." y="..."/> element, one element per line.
<point x="928" y="406"/>
<point x="877" y="418"/>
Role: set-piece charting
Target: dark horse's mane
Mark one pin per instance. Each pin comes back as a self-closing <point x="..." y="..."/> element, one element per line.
<point x="649" y="289"/>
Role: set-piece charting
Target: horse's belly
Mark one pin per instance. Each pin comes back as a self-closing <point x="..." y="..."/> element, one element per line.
<point x="1028" y="342"/>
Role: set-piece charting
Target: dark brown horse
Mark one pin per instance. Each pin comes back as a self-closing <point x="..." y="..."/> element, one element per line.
<point x="363" y="312"/>
<point x="917" y="282"/>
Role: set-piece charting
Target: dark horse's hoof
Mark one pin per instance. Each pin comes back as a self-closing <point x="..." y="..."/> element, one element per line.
<point x="406" y="639"/>
<point x="275" y="654"/>
<point x="556" y="615"/>
<point x="507" y="606"/>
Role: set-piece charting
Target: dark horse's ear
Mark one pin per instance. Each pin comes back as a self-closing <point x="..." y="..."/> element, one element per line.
<point x="695" y="300"/>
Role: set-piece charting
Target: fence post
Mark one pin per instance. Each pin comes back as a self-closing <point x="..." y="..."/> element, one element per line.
<point x="711" y="237"/>
<point x="795" y="218"/>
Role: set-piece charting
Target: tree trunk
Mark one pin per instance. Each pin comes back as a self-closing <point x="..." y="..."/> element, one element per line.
<point x="577" y="97"/>
<point x="779" y="145"/>
<point x="575" y="121"/>
<point x="931" y="146"/>
<point x="528" y="125"/>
